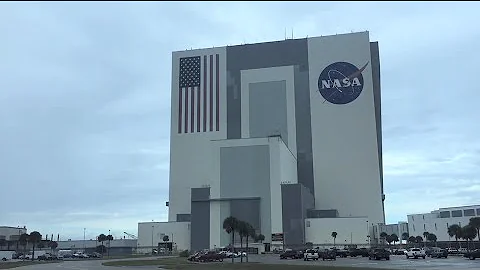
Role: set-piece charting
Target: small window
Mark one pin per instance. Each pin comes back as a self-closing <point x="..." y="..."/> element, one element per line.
<point x="413" y="218"/>
<point x="435" y="226"/>
<point x="423" y="216"/>
<point x="457" y="213"/>
<point x="413" y="227"/>
<point x="445" y="214"/>
<point x="308" y="223"/>
<point x="447" y="225"/>
<point x="424" y="227"/>
<point x="469" y="212"/>
<point x="478" y="211"/>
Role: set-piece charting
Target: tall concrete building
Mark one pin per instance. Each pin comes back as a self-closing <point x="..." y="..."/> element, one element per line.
<point x="285" y="135"/>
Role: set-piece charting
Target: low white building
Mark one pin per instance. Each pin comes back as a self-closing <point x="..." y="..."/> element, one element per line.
<point x="11" y="233"/>
<point x="438" y="221"/>
<point x="350" y="231"/>
<point x="150" y="235"/>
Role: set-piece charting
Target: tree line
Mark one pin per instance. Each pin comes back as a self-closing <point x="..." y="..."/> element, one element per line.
<point x="468" y="232"/>
<point x="34" y="238"/>
<point x="245" y="230"/>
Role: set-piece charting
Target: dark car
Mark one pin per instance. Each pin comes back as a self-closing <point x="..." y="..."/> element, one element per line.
<point x="439" y="253"/>
<point x="378" y="254"/>
<point x="210" y="256"/>
<point x="472" y="255"/>
<point x="292" y="254"/>
<point x="194" y="256"/>
<point x="354" y="252"/>
<point x="343" y="253"/>
<point x="364" y="252"/>
<point x="329" y="254"/>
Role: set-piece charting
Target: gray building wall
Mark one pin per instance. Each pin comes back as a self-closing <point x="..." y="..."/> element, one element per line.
<point x="296" y="201"/>
<point x="377" y="99"/>
<point x="274" y="54"/>
<point x="245" y="173"/>
<point x="268" y="109"/>
<point x="200" y="219"/>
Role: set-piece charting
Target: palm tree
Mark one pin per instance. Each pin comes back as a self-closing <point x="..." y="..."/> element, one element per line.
<point x="23" y="240"/>
<point x="419" y="239"/>
<point x="109" y="238"/>
<point x="454" y="231"/>
<point x="102" y="238"/>
<point x="243" y="232"/>
<point x="230" y="225"/>
<point x="34" y="238"/>
<point x="432" y="238"/>
<point x="425" y="235"/>
<point x="469" y="233"/>
<point x="394" y="238"/>
<point x="53" y="245"/>
<point x="248" y="231"/>
<point x="475" y="223"/>
<point x="334" y="235"/>
<point x="405" y="236"/>
<point x="260" y="238"/>
<point x="383" y="236"/>
<point x="412" y="239"/>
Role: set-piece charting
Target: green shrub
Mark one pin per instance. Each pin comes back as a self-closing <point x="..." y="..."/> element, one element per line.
<point x="184" y="253"/>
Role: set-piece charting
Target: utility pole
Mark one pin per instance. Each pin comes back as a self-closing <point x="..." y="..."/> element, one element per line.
<point x="108" y="251"/>
<point x="84" y="239"/>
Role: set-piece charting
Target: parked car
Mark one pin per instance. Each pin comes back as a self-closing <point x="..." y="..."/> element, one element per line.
<point x="310" y="254"/>
<point x="210" y="256"/>
<point x="472" y="255"/>
<point x="329" y="254"/>
<point x="415" y="253"/>
<point x="452" y="251"/>
<point x="439" y="253"/>
<point x="379" y="253"/>
<point x="341" y="252"/>
<point x="399" y="252"/>
<point x="364" y="252"/>
<point x="193" y="256"/>
<point x="292" y="254"/>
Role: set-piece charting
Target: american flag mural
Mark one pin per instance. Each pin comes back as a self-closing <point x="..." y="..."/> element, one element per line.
<point x="199" y="94"/>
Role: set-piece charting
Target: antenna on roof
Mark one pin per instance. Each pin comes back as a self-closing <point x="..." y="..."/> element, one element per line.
<point x="285" y="33"/>
<point x="292" y="33"/>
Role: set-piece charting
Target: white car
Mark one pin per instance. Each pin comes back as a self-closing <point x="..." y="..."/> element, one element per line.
<point x="310" y="254"/>
<point x="415" y="253"/>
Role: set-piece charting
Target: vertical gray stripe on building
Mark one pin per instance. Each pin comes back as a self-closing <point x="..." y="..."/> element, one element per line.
<point x="375" y="58"/>
<point x="266" y="55"/>
<point x="200" y="219"/>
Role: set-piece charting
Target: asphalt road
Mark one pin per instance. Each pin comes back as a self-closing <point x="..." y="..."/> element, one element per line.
<point x="395" y="262"/>
<point x="86" y="265"/>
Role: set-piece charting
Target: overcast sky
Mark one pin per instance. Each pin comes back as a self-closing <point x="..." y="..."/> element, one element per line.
<point x="85" y="102"/>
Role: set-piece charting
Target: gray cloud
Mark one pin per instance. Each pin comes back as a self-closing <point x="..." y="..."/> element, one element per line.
<point x="85" y="101"/>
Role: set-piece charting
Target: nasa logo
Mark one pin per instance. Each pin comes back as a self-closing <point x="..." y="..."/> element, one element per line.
<point x="341" y="82"/>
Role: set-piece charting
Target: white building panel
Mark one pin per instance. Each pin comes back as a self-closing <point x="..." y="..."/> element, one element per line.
<point x="285" y="73"/>
<point x="352" y="230"/>
<point x="344" y="137"/>
<point x="438" y="221"/>
<point x="151" y="233"/>
<point x="193" y="150"/>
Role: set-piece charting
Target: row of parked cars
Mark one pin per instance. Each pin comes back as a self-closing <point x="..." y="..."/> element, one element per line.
<point x="333" y="253"/>
<point x="214" y="256"/>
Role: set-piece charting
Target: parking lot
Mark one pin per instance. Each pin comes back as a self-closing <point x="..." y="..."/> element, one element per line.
<point x="395" y="262"/>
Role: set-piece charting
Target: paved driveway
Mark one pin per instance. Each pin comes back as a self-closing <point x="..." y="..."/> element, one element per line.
<point x="395" y="262"/>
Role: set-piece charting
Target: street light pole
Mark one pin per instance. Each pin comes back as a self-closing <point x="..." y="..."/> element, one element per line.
<point x="84" y="239"/>
<point x="152" y="239"/>
<point x="108" y="251"/>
